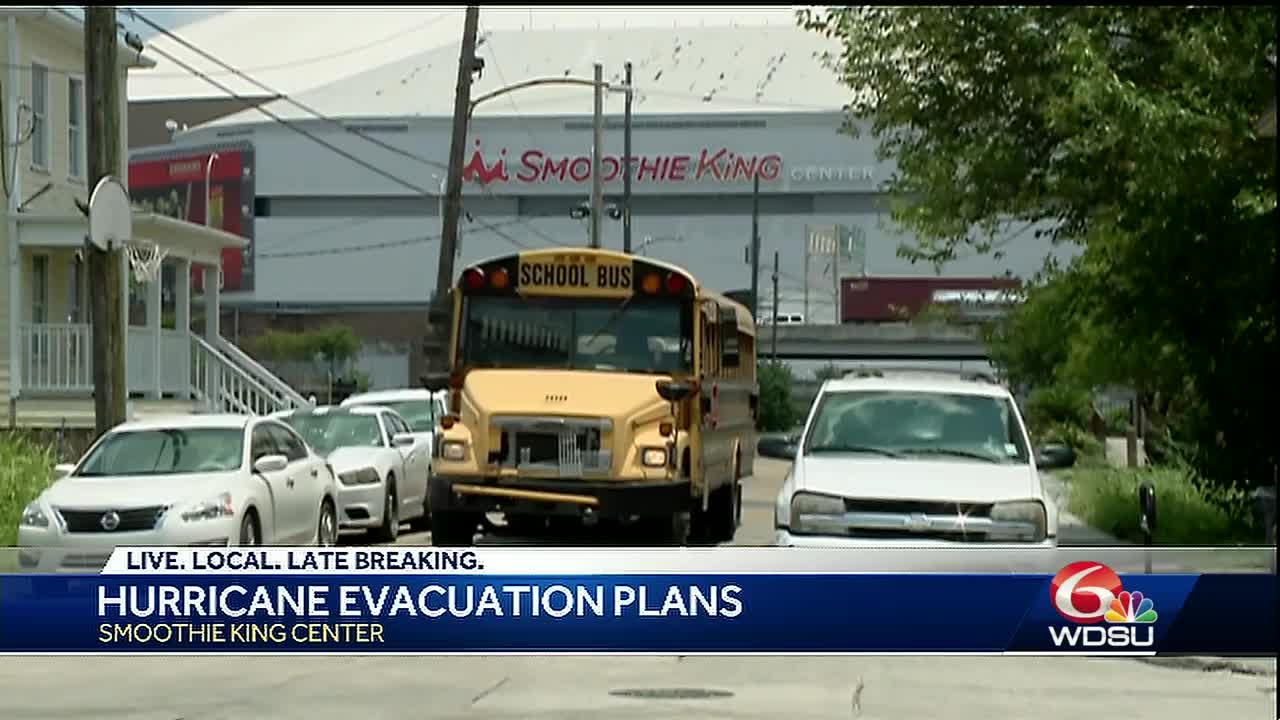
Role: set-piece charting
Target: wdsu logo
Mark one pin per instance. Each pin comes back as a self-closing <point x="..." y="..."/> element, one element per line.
<point x="1087" y="593"/>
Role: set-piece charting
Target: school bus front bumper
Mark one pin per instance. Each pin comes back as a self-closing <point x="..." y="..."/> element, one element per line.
<point x="525" y="496"/>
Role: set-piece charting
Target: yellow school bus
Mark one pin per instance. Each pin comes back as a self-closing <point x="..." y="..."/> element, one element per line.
<point x="596" y="386"/>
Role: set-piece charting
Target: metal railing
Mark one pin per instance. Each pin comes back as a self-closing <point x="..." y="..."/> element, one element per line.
<point x="260" y="373"/>
<point x="223" y="385"/>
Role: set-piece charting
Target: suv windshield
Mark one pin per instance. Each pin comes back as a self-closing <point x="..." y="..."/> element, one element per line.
<point x="171" y="451"/>
<point x="329" y="431"/>
<point x="914" y="424"/>
<point x="645" y="336"/>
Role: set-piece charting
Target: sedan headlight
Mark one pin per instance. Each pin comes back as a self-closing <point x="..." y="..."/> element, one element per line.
<point x="453" y="450"/>
<point x="363" y="476"/>
<point x="33" y="516"/>
<point x="212" y="509"/>
<point x="654" y="457"/>
<point x="813" y="513"/>
<point x="1024" y="521"/>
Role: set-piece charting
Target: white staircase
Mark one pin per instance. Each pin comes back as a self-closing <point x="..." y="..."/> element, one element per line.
<point x="225" y="379"/>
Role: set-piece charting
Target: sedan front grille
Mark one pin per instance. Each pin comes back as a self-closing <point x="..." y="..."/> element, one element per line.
<point x="97" y="521"/>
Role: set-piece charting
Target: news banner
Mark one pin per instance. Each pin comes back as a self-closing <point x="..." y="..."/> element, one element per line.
<point x="635" y="601"/>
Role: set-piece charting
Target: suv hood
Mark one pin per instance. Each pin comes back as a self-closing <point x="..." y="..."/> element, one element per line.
<point x="130" y="491"/>
<point x="916" y="479"/>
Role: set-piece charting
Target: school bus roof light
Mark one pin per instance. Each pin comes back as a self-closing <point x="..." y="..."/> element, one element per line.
<point x="499" y="279"/>
<point x="473" y="278"/>
<point x="675" y="283"/>
<point x="651" y="283"/>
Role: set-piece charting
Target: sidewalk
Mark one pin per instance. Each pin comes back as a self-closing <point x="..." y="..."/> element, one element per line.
<point x="1071" y="529"/>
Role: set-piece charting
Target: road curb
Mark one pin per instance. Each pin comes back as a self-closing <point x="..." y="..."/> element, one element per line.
<point x="1236" y="666"/>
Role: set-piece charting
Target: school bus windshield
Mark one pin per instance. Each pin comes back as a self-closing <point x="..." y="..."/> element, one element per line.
<point x="645" y="336"/>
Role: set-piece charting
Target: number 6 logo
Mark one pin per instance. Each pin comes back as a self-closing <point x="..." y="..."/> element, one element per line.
<point x="1081" y="591"/>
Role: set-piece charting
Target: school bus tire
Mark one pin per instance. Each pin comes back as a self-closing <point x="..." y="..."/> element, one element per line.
<point x="724" y="511"/>
<point x="673" y="529"/>
<point x="453" y="529"/>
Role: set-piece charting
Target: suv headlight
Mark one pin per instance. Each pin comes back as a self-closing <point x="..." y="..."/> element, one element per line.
<point x="654" y="457"/>
<point x="363" y="476"/>
<point x="1024" y="521"/>
<point x="813" y="513"/>
<point x="33" y="516"/>
<point x="212" y="509"/>
<point x="453" y="450"/>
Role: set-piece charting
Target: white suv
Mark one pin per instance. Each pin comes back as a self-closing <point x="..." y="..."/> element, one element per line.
<point x="914" y="458"/>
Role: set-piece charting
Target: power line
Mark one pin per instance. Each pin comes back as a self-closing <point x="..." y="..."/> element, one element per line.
<point x="316" y="58"/>
<point x="404" y="242"/>
<point x="305" y="108"/>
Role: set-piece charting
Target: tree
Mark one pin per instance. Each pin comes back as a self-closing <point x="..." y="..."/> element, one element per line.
<point x="1132" y="132"/>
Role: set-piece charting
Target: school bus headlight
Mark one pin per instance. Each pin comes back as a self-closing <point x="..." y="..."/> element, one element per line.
<point x="453" y="450"/>
<point x="653" y="457"/>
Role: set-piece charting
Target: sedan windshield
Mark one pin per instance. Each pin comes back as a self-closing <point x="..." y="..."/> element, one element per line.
<point x="329" y="431"/>
<point x="915" y="424"/>
<point x="420" y="414"/>
<point x="171" y="451"/>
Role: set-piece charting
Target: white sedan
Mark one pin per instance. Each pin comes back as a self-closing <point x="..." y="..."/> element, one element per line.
<point x="420" y="408"/>
<point x="382" y="467"/>
<point x="184" y="480"/>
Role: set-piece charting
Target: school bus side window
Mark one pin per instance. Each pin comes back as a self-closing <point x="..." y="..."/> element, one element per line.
<point x="729" y="350"/>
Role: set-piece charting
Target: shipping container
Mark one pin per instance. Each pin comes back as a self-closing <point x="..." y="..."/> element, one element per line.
<point x="898" y="299"/>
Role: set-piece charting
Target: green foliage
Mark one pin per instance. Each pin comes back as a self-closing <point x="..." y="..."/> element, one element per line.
<point x="1188" y="510"/>
<point x="1117" y="421"/>
<point x="827" y="372"/>
<point x="26" y="467"/>
<point x="1089" y="450"/>
<point x="1129" y="131"/>
<point x="1058" y="405"/>
<point x="777" y="413"/>
<point x="334" y="346"/>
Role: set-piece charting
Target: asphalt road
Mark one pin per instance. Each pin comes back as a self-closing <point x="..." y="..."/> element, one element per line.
<point x="369" y="688"/>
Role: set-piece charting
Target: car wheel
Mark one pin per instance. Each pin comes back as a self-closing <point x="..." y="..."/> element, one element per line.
<point x="250" y="532"/>
<point x="390" y="528"/>
<point x="422" y="523"/>
<point x="327" y="528"/>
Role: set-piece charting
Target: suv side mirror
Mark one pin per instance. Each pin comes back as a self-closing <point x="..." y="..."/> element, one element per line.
<point x="62" y="470"/>
<point x="778" y="448"/>
<point x="270" y="464"/>
<point x="1055" y="456"/>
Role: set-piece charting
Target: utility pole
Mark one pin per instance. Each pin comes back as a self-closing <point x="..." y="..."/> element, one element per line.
<point x="439" y="314"/>
<point x="102" y="81"/>
<point x="597" y="164"/>
<point x="773" y="342"/>
<point x="755" y="248"/>
<point x="626" y="165"/>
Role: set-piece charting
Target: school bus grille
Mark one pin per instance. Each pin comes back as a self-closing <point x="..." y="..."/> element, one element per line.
<point x="569" y="446"/>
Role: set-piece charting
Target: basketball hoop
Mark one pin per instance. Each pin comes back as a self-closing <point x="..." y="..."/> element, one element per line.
<point x="145" y="259"/>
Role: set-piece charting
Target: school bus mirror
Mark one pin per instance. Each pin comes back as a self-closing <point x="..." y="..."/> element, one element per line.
<point x="672" y="391"/>
<point x="436" y="381"/>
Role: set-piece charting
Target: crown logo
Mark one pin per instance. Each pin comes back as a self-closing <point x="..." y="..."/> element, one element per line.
<point x="476" y="170"/>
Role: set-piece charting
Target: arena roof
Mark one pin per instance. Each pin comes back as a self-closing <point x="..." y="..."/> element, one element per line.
<point x="683" y="71"/>
<point x="297" y="49"/>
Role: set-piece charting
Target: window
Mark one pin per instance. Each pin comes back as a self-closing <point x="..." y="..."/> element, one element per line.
<point x="39" y="289"/>
<point x="75" y="127"/>
<point x="39" y="116"/>
<point x="263" y="444"/>
<point x="730" y="353"/>
<point x="289" y="444"/>
<point x="75" y="290"/>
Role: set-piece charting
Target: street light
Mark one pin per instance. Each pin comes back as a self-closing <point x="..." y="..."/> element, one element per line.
<point x="652" y="240"/>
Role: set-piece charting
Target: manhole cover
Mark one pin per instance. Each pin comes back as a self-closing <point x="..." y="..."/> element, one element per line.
<point x="672" y="693"/>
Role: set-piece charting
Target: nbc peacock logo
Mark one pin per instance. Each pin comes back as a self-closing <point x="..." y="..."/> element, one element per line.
<point x="1087" y="593"/>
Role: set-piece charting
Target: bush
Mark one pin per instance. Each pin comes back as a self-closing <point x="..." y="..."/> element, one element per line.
<point x="1117" y="420"/>
<point x="1058" y="405"/>
<point x="26" y="467"/>
<point x="1188" y="511"/>
<point x="777" y="413"/>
